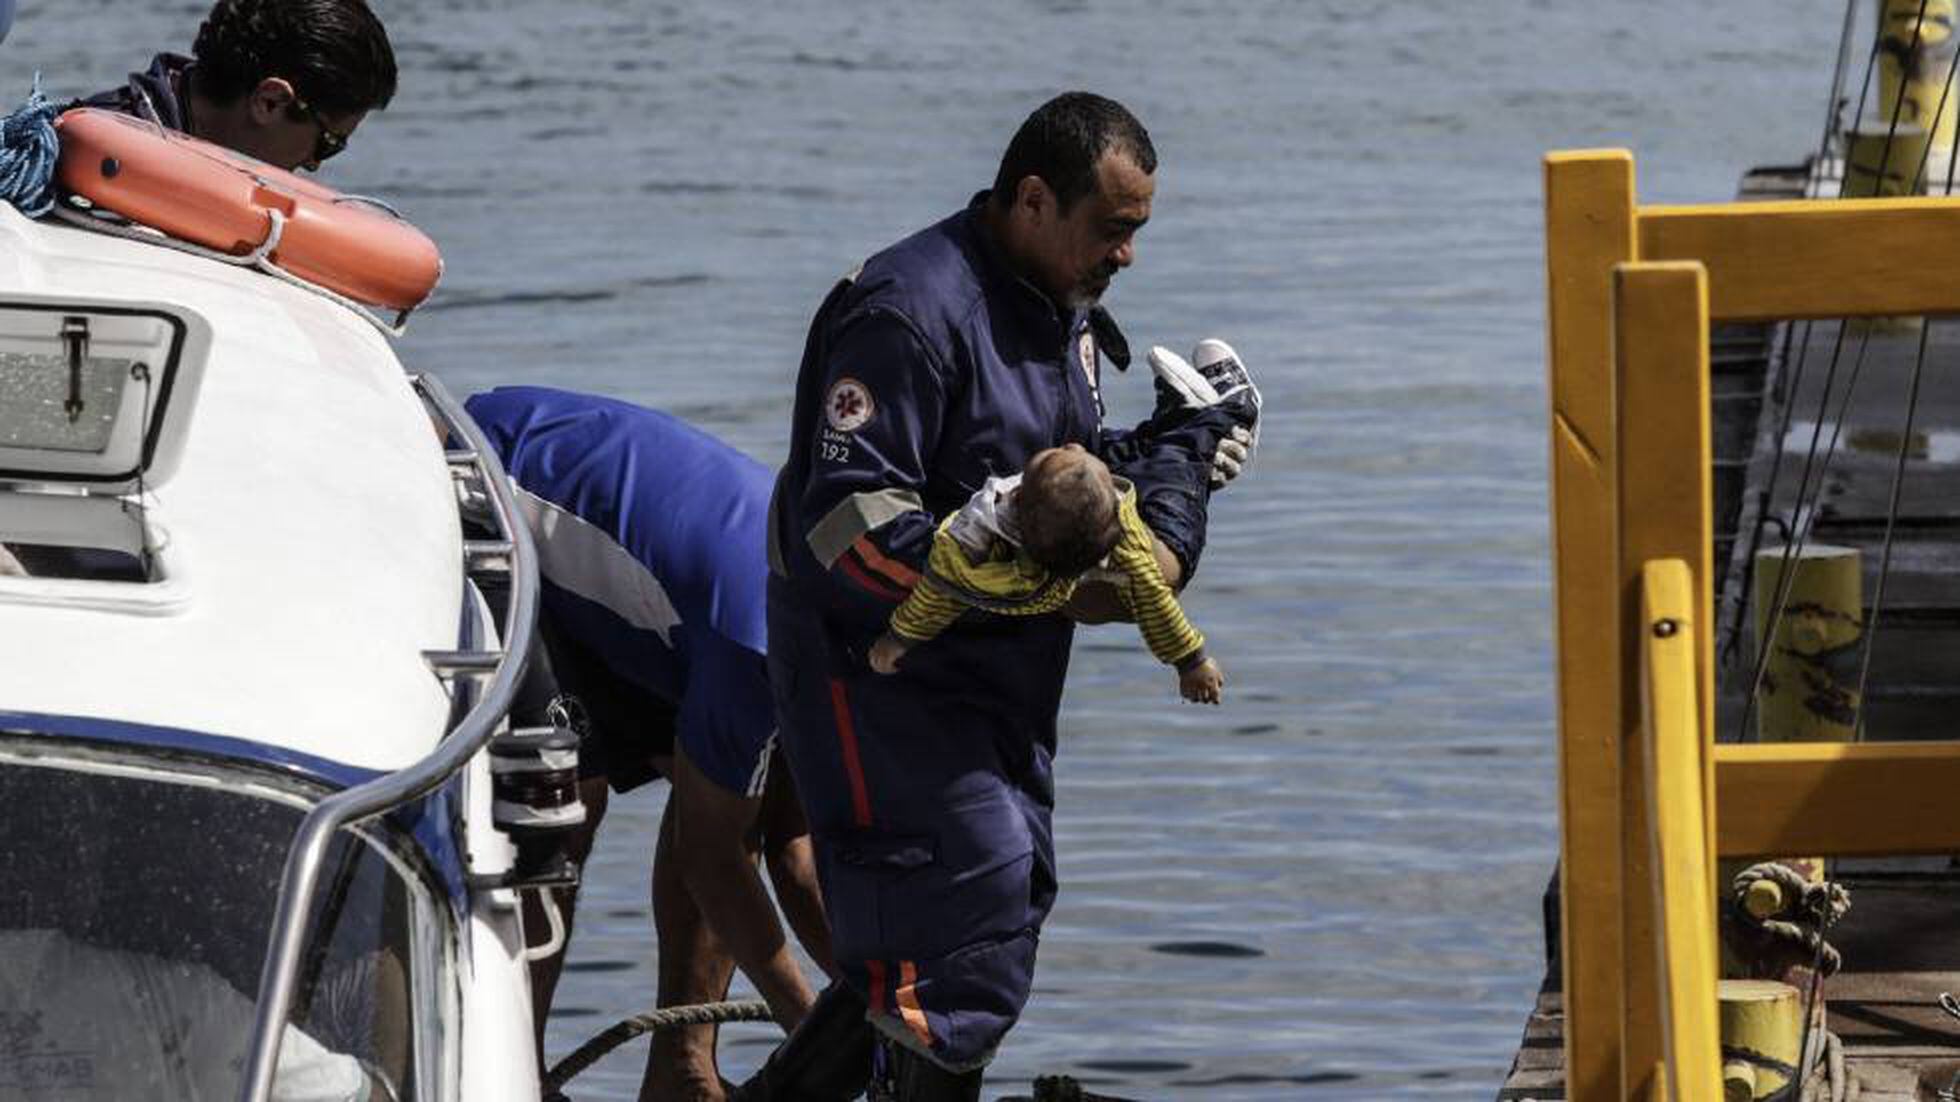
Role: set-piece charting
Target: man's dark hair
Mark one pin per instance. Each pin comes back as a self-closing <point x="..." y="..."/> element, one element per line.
<point x="334" y="53"/>
<point x="1067" y="518"/>
<point x="1062" y="141"/>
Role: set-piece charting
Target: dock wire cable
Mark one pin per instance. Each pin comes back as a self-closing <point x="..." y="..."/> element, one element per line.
<point x="1898" y="475"/>
<point x="1794" y="547"/>
<point x="1834" y="107"/>
<point x="1813" y="986"/>
<point x="1786" y="579"/>
<point x="1794" y="380"/>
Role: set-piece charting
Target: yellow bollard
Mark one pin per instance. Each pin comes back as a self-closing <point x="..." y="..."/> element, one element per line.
<point x="1809" y="690"/>
<point x="1764" y="898"/>
<point x="1810" y="683"/>
<point x="1884" y="164"/>
<point x="1761" y="1034"/>
<point x="1915" y="55"/>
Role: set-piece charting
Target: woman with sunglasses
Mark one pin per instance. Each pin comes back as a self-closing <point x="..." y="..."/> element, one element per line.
<point x="284" y="81"/>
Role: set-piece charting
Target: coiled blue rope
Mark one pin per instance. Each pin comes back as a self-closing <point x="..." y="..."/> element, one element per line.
<point x="28" y="147"/>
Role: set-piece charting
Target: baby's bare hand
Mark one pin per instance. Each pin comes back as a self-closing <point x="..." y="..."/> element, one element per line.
<point x="1203" y="683"/>
<point x="886" y="652"/>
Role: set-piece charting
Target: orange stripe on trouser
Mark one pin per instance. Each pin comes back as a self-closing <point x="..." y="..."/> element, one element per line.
<point x="840" y="706"/>
<point x="908" y="1003"/>
<point x="876" y="970"/>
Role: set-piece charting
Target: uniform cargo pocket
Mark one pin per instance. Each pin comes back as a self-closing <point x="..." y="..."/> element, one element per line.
<point x="887" y="852"/>
<point x="976" y="889"/>
<point x="859" y="877"/>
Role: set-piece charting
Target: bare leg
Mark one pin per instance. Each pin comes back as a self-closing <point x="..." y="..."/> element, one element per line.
<point x="793" y="866"/>
<point x="716" y="842"/>
<point x="710" y="840"/>
<point x="693" y="968"/>
<point x="545" y="973"/>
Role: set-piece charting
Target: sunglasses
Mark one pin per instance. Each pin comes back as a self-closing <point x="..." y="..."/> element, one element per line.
<point x="330" y="142"/>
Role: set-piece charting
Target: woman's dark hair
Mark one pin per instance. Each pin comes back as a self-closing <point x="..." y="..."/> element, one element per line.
<point x="1062" y="141"/>
<point x="334" y="53"/>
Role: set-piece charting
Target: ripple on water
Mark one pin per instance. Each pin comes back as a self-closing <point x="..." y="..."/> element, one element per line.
<point x="1226" y="949"/>
<point x="1247" y="1079"/>
<point x="1134" y="1067"/>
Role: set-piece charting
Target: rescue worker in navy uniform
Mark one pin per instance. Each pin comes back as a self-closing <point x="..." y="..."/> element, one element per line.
<point x="954" y="355"/>
<point x="285" y="81"/>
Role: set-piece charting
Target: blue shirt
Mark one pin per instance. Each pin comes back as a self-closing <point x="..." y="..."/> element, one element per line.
<point x="650" y="543"/>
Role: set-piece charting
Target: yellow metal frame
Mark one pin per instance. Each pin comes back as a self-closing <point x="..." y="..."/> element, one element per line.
<point x="1632" y="291"/>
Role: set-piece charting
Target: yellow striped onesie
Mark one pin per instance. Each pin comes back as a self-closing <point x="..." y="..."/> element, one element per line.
<point x="1010" y="583"/>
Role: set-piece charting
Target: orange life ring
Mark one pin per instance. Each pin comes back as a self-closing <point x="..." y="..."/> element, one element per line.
<point x="211" y="196"/>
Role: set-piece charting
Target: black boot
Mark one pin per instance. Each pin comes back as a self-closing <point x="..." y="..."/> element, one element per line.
<point x="827" y="1058"/>
<point x="906" y="1076"/>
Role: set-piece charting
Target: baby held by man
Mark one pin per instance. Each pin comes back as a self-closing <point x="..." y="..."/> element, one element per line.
<point x="1025" y="543"/>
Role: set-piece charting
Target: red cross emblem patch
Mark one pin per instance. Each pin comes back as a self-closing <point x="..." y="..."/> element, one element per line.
<point x="848" y="405"/>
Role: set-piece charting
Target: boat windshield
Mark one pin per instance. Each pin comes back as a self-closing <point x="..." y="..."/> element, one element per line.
<point x="135" y="902"/>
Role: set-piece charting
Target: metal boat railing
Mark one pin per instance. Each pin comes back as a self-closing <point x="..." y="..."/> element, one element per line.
<point x="512" y="551"/>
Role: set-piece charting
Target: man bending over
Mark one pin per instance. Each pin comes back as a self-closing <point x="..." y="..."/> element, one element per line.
<point x="650" y="546"/>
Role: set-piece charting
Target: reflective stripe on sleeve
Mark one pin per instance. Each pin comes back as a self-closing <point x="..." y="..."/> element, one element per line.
<point x="857" y="516"/>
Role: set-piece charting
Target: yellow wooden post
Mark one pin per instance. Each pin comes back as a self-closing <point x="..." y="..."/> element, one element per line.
<point x="1916" y="46"/>
<point x="1682" y="895"/>
<point x="1589" y="228"/>
<point x="1809" y="686"/>
<point x="1661" y="376"/>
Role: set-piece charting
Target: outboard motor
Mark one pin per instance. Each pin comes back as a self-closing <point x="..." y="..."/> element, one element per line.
<point x="534" y="793"/>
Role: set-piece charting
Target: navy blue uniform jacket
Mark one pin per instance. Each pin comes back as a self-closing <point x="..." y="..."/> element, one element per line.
<point x="932" y="368"/>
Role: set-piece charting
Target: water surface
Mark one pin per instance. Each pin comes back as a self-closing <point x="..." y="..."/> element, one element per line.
<point x="1327" y="889"/>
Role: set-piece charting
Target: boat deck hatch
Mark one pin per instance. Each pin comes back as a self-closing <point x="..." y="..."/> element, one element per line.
<point x="95" y="394"/>
<point x="95" y="403"/>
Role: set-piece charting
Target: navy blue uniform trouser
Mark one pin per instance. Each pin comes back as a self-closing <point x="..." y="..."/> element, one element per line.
<point x="930" y="809"/>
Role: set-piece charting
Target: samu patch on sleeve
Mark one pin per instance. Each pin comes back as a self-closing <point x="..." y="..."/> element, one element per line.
<point x="847" y="406"/>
